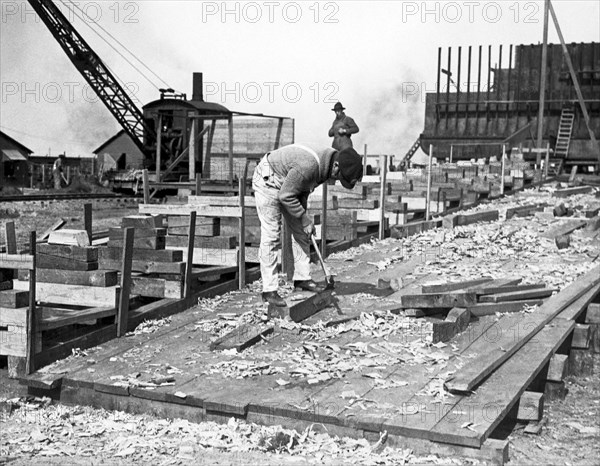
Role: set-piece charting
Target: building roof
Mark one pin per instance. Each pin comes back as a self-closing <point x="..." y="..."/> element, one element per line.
<point x="16" y="143"/>
<point x="108" y="141"/>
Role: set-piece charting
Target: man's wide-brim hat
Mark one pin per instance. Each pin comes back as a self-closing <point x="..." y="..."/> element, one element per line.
<point x="338" y="106"/>
<point x="351" y="167"/>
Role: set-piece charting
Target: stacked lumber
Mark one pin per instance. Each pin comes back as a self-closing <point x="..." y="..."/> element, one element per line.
<point x="14" y="305"/>
<point x="156" y="271"/>
<point x="466" y="299"/>
<point x="350" y="213"/>
<point x="67" y="272"/>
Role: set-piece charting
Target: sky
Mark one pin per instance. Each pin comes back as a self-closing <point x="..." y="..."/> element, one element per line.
<point x="293" y="59"/>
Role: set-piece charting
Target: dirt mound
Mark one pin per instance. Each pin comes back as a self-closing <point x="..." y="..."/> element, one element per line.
<point x="10" y="191"/>
<point x="86" y="184"/>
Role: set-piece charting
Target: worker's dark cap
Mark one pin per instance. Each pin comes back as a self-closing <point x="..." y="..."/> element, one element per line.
<point x="351" y="169"/>
<point x="338" y="106"/>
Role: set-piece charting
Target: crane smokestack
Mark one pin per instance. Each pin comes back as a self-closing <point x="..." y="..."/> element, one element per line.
<point x="197" y="92"/>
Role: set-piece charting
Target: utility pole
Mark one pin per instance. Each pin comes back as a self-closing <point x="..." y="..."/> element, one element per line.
<point x="543" y="66"/>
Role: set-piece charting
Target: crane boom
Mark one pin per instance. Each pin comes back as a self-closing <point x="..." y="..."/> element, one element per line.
<point x="95" y="72"/>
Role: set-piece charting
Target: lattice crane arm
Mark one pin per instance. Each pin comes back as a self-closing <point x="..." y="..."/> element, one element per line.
<point x="95" y="72"/>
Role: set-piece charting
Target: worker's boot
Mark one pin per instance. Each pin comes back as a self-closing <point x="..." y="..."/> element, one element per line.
<point x="308" y="285"/>
<point x="272" y="297"/>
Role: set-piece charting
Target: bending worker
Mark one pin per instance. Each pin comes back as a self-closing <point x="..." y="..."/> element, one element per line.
<point x="282" y="182"/>
<point x="342" y="129"/>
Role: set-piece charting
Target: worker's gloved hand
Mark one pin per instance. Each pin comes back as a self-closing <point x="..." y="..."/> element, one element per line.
<point x="342" y="131"/>
<point x="309" y="228"/>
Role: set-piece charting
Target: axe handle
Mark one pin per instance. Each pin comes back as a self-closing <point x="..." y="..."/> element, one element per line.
<point x="314" y="243"/>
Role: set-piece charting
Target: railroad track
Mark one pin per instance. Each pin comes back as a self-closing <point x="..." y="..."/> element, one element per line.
<point x="62" y="196"/>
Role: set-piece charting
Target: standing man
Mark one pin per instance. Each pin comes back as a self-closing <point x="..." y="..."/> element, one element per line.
<point x="282" y="182"/>
<point x="57" y="171"/>
<point x="342" y="128"/>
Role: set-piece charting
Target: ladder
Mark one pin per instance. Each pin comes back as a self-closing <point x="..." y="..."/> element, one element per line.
<point x="565" y="129"/>
<point x="411" y="152"/>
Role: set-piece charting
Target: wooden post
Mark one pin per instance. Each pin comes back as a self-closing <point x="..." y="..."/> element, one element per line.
<point x="242" y="237"/>
<point x="502" y="169"/>
<point x="146" y="186"/>
<point x="193" y="150"/>
<point x="211" y="134"/>
<point x="382" y="176"/>
<point x="230" y="128"/>
<point x="365" y="162"/>
<point x="30" y="319"/>
<point x="189" y="264"/>
<point x="575" y="80"/>
<point x="427" y="207"/>
<point x="324" y="221"/>
<point x="198" y="186"/>
<point x="452" y="150"/>
<point x="123" y="309"/>
<point x="11" y="237"/>
<point x="547" y="161"/>
<point x="87" y="220"/>
<point x="158" y="146"/>
<point x="540" y="127"/>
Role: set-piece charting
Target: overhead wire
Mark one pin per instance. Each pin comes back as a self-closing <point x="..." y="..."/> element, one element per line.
<point x="122" y="45"/>
<point x="110" y="45"/>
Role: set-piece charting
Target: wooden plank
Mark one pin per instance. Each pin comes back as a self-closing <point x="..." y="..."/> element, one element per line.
<point x="216" y="242"/>
<point x="119" y="233"/>
<point x="69" y="237"/>
<point x="64" y="263"/>
<point x="438" y="300"/>
<point x="524" y="211"/>
<point x="517" y="295"/>
<point x="210" y="256"/>
<point x="124" y="294"/>
<point x="144" y="266"/>
<point x="577" y="307"/>
<point x="143" y="221"/>
<point x="531" y="406"/>
<point x="452" y="286"/>
<point x="514" y="376"/>
<point x="73" y="277"/>
<point x="55" y="226"/>
<point x="157" y="287"/>
<point x="303" y="304"/>
<point x="71" y="294"/>
<point x="572" y="191"/>
<point x="242" y="337"/>
<point x="14" y="317"/>
<point x="16" y="261"/>
<point x="79" y="253"/>
<point x="158" y="255"/>
<point x="488" y="359"/>
<point x="563" y="229"/>
<point x="55" y="318"/>
<point x="349" y="203"/>
<point x="229" y="201"/>
<point x="184" y="221"/>
<point x="14" y="298"/>
<point x="156" y="243"/>
<point x="486" y="309"/>
<point x="13" y="341"/>
<point x="64" y="349"/>
<point x="201" y="230"/>
<point x="476" y="217"/>
<point x="205" y="211"/>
